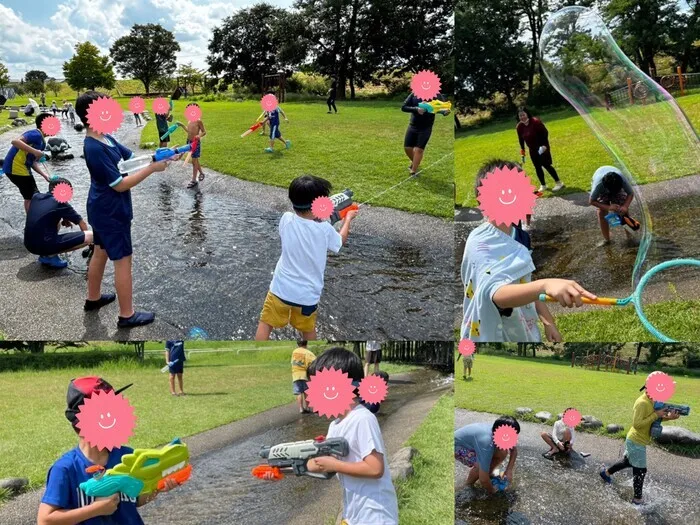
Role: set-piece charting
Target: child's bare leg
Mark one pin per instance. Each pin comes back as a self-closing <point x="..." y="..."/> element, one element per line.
<point x="172" y="384"/>
<point x="469" y="368"/>
<point x="376" y="368"/>
<point x="473" y="475"/>
<point x="409" y="153"/>
<point x="547" y="439"/>
<point x="124" y="286"/>
<point x="417" y="159"/>
<point x="179" y="381"/>
<point x="309" y="336"/>
<point x="304" y="403"/>
<point x="195" y="169"/>
<point x="26" y="206"/>
<point x="366" y="369"/>
<point x="96" y="271"/>
<point x="604" y="226"/>
<point x="464" y="369"/>
<point x="263" y="332"/>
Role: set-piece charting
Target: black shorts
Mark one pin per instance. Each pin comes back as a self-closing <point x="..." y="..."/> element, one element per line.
<point x="373" y="357"/>
<point x="417" y="138"/>
<point x="62" y="243"/>
<point x="25" y="183"/>
<point x="116" y="243"/>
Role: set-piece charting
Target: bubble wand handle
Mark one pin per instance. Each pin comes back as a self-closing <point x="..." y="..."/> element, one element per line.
<point x="601" y="301"/>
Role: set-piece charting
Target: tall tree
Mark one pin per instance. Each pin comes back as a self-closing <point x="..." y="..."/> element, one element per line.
<point x="189" y="76"/>
<point x="87" y="69"/>
<point x="4" y="75"/>
<point x="146" y="53"/>
<point x="53" y="86"/>
<point x="34" y="86"/>
<point x="685" y="34"/>
<point x="35" y="74"/>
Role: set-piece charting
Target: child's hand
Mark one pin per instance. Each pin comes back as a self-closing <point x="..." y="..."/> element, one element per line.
<point x="623" y="210"/>
<point x="552" y="334"/>
<point x="351" y="214"/>
<point x="170" y="484"/>
<point x="508" y="474"/>
<point x="106" y="506"/>
<point x="567" y="293"/>
<point x="614" y="207"/>
<point x="421" y="111"/>
<point x="322" y="464"/>
<point x="160" y="166"/>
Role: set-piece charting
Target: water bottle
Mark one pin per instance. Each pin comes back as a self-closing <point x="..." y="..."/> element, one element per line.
<point x="134" y="164"/>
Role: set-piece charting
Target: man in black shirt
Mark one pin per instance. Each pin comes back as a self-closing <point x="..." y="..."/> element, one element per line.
<point x="332" y="93"/>
<point x="418" y="132"/>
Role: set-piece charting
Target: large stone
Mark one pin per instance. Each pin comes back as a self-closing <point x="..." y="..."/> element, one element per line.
<point x="613" y="428"/>
<point x="521" y="411"/>
<point x="14" y="485"/>
<point x="591" y="422"/>
<point x="400" y="464"/>
<point x="678" y="436"/>
<point x="543" y="416"/>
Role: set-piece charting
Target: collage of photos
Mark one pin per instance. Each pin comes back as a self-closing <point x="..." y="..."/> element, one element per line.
<point x="349" y="262"/>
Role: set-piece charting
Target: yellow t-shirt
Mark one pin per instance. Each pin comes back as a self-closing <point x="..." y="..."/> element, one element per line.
<point x="644" y="417"/>
<point x="301" y="359"/>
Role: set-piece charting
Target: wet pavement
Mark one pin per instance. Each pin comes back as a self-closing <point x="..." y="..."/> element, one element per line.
<point x="566" y="491"/>
<point x="204" y="259"/>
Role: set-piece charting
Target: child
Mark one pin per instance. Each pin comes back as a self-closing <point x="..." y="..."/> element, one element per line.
<point x="23" y="157"/>
<point x="71" y="113"/>
<point x="501" y="303"/>
<point x="110" y="215"/>
<point x="137" y="118"/>
<point x="297" y="282"/>
<point x="638" y="438"/>
<point x="273" y="117"/>
<point x="467" y="364"/>
<point x="64" y="110"/>
<point x="175" y="359"/>
<point x="368" y="493"/>
<point x="195" y="129"/>
<point x="332" y="94"/>
<point x="560" y="440"/>
<point x="301" y="360"/>
<point x="374" y="407"/>
<point x="54" y="108"/>
<point x="162" y="126"/>
<point x="63" y="500"/>
<point x="475" y="448"/>
<point x="610" y="192"/>
<point x="44" y="220"/>
<point x="373" y="355"/>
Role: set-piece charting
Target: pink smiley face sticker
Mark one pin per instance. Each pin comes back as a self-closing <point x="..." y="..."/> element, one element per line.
<point x="322" y="208"/>
<point x="330" y="392"/>
<point x="50" y="126"/>
<point x="506" y="196"/>
<point x="136" y="105"/>
<point x="104" y="115"/>
<point x="161" y="106"/>
<point x="373" y="389"/>
<point x="269" y="102"/>
<point x="106" y="420"/>
<point x="62" y="192"/>
<point x="425" y="85"/>
<point x="193" y="113"/>
<point x="505" y="437"/>
<point x="571" y="417"/>
<point x="466" y="347"/>
<point x="660" y="386"/>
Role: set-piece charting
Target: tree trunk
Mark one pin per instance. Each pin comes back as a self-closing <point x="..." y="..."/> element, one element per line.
<point x="36" y="347"/>
<point x="147" y="85"/>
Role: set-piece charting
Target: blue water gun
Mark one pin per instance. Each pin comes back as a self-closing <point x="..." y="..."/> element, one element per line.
<point x="656" y="428"/>
<point x="500" y="483"/>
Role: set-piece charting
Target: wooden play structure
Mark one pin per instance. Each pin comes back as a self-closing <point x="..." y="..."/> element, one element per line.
<point x="275" y="83"/>
<point x="610" y="362"/>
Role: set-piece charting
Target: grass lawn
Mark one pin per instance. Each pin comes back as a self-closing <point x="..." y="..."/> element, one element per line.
<point x="577" y="152"/>
<point x="360" y="148"/>
<point x="427" y="497"/>
<point x="551" y="387"/>
<point x="222" y="387"/>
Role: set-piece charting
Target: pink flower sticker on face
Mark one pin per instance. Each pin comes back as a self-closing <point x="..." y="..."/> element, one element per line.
<point x="571" y="417"/>
<point x="505" y="437"/>
<point x="506" y="196"/>
<point x="104" y="115"/>
<point x="425" y="85"/>
<point x="330" y="392"/>
<point x="322" y="208"/>
<point x="373" y="389"/>
<point x="136" y="104"/>
<point x="466" y="347"/>
<point x="106" y="420"/>
<point x="269" y="102"/>
<point x="50" y="126"/>
<point x="660" y="386"/>
<point x="62" y="192"/>
<point x="161" y="106"/>
<point x="193" y="113"/>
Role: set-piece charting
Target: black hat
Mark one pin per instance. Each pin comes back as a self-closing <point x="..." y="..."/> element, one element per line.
<point x="84" y="387"/>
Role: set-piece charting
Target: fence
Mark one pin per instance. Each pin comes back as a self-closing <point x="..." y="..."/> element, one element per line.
<point x="609" y="362"/>
<point x="435" y="354"/>
<point x="678" y="83"/>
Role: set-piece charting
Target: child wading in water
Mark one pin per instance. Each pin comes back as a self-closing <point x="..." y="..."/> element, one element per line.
<point x="195" y="129"/>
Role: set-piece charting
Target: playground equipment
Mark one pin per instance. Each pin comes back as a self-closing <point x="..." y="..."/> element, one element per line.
<point x="610" y="362"/>
<point x="275" y="83"/>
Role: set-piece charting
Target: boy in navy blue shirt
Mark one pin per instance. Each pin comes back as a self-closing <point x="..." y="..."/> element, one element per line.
<point x="63" y="500"/>
<point x="110" y="215"/>
<point x="273" y="118"/>
<point x="175" y="359"/>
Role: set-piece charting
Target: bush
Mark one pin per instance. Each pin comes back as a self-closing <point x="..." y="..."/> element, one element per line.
<point x="544" y="96"/>
<point x="49" y="361"/>
<point x="396" y="83"/>
<point x="308" y="83"/>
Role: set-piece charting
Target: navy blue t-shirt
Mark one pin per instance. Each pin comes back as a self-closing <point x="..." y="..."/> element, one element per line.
<point x="43" y="217"/>
<point x="274" y="117"/>
<point x="176" y="350"/>
<point x="63" y="488"/>
<point x="107" y="208"/>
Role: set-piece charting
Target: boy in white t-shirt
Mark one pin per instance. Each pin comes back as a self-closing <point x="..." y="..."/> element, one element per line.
<point x="297" y="283"/>
<point x="560" y="440"/>
<point x="368" y="493"/>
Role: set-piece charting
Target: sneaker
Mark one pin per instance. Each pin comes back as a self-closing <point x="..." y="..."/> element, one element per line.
<point x="636" y="501"/>
<point x="268" y="150"/>
<point x="288" y="143"/>
<point x="192" y="184"/>
<point x="559" y="185"/>
<point x="54" y="261"/>
<point x="605" y="477"/>
<point x="138" y="319"/>
<point x="328" y="112"/>
<point x="542" y="188"/>
<point x="104" y="300"/>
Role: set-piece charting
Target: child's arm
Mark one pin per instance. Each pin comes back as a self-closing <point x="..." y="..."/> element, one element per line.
<point x="345" y="228"/>
<point x="40" y="170"/>
<point x="567" y="293"/>
<point x="20" y="144"/>
<point x="52" y="515"/>
<point x="550" y="326"/>
<point x="372" y="466"/>
<point x="283" y="114"/>
<point x="132" y="180"/>
<point x="626" y="205"/>
<point x="202" y="131"/>
<point x="511" y="464"/>
<point x="485" y="480"/>
<point x="521" y="140"/>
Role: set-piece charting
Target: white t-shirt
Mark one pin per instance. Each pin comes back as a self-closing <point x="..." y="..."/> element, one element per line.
<point x="373" y="346"/>
<point x="298" y="276"/>
<point x="493" y="259"/>
<point x="558" y="432"/>
<point x="365" y="500"/>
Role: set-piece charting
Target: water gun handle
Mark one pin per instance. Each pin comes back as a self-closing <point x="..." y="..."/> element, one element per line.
<point x="602" y="301"/>
<point x="178" y="477"/>
<point x="342" y="213"/>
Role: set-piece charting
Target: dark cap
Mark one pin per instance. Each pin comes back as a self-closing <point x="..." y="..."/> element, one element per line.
<point x="83" y="387"/>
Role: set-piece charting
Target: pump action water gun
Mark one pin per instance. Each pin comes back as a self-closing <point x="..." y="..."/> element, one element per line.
<point x="342" y="204"/>
<point x="142" y="472"/>
<point x="292" y="457"/>
<point x="656" y="428"/>
<point x="436" y="106"/>
<point x="171" y="129"/>
<point x="252" y="128"/>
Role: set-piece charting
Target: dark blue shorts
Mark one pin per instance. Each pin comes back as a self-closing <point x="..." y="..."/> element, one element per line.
<point x="275" y="132"/>
<point x="197" y="151"/>
<point x="299" y="387"/>
<point x="117" y="243"/>
<point x="177" y="368"/>
<point x="62" y="243"/>
<point x="417" y="138"/>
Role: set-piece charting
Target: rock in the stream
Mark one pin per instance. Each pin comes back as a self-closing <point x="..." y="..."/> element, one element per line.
<point x="678" y="436"/>
<point x="521" y="411"/>
<point x="19" y="122"/>
<point x="543" y="416"/>
<point x="612" y="428"/>
<point x="14" y="485"/>
<point x="400" y="464"/>
<point x="591" y="422"/>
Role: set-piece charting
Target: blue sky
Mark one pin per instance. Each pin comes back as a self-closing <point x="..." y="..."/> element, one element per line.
<point x="41" y="34"/>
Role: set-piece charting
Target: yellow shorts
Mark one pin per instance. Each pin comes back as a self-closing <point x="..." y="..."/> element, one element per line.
<point x="279" y="314"/>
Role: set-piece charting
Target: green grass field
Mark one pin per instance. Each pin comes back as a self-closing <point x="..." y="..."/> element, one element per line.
<point x="576" y="151"/>
<point x="551" y="387"/>
<point x="222" y="387"/>
<point x="360" y="148"/>
<point x="426" y="498"/>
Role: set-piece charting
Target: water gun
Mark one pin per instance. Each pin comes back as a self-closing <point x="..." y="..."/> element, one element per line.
<point x="292" y="457"/>
<point x="342" y="204"/>
<point x="252" y="128"/>
<point x="615" y="219"/>
<point x="499" y="481"/>
<point x="172" y="129"/>
<point x="436" y="106"/>
<point x="142" y="472"/>
<point x="522" y="156"/>
<point x="130" y="165"/>
<point x="165" y="368"/>
<point x="656" y="428"/>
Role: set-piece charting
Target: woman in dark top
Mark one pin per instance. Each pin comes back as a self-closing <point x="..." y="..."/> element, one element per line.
<point x="532" y="131"/>
<point x="418" y="132"/>
<point x="332" y="93"/>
